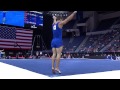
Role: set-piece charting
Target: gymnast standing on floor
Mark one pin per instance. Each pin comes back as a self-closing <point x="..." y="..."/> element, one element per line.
<point x="57" y="43"/>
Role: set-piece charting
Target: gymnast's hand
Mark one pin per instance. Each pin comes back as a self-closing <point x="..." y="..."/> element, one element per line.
<point x="54" y="17"/>
<point x="75" y="12"/>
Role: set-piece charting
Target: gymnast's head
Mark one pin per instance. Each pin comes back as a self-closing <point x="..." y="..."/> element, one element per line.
<point x="58" y="18"/>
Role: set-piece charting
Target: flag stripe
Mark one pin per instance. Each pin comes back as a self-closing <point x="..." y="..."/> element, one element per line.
<point x="11" y="35"/>
<point x="13" y="43"/>
<point x="23" y="38"/>
<point x="21" y="31"/>
<point x="12" y="47"/>
<point x="15" y="40"/>
<point x="24" y="34"/>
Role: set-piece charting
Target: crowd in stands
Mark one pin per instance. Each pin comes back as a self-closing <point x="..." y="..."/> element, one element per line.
<point x="39" y="55"/>
<point x="115" y="46"/>
<point x="95" y="43"/>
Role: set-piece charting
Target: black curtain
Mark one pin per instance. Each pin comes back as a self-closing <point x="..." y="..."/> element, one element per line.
<point x="80" y="15"/>
<point x="47" y="30"/>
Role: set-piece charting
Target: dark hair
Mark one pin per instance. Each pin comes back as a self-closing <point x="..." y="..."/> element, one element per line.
<point x="59" y="17"/>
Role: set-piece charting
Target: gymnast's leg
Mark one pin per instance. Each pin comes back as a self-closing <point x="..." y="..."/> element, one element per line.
<point x="59" y="51"/>
<point x="53" y="59"/>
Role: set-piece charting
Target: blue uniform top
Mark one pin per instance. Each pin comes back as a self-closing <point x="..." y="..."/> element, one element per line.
<point x="57" y="32"/>
<point x="57" y="36"/>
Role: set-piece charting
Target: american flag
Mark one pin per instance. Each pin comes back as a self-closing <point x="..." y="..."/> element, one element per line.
<point x="11" y="36"/>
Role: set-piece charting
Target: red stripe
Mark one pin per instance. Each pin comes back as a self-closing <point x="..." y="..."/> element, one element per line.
<point x="24" y="34"/>
<point x="9" y="40"/>
<point x="17" y="42"/>
<point x="23" y="38"/>
<point x="13" y="43"/>
<point x="14" y="47"/>
<point x="24" y="31"/>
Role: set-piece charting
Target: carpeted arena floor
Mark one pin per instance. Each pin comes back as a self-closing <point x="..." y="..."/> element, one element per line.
<point x="67" y="66"/>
